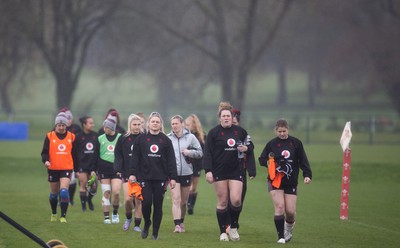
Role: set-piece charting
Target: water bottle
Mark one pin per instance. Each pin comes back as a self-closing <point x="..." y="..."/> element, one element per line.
<point x="240" y="154"/>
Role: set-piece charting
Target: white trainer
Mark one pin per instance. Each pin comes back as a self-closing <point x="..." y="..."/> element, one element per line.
<point x="107" y="221"/>
<point x="233" y="234"/>
<point x="115" y="219"/>
<point x="281" y="241"/>
<point x="288" y="234"/>
<point x="224" y="237"/>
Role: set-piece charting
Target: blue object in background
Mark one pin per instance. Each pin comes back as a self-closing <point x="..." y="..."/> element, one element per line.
<point x="14" y="131"/>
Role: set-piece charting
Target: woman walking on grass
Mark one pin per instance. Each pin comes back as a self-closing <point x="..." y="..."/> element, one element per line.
<point x="193" y="123"/>
<point x="88" y="148"/>
<point x="59" y="156"/>
<point x="109" y="179"/>
<point x="223" y="151"/>
<point x="153" y="165"/>
<point x="187" y="148"/>
<point x="247" y="161"/>
<point x="284" y="156"/>
<point x="123" y="155"/>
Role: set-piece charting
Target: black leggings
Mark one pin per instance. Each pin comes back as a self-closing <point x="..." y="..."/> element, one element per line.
<point x="153" y="194"/>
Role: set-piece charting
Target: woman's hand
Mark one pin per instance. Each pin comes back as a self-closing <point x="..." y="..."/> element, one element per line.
<point x="132" y="179"/>
<point x="209" y="177"/>
<point x="47" y="164"/>
<point x="172" y="183"/>
<point x="242" y="148"/>
<point x="307" y="180"/>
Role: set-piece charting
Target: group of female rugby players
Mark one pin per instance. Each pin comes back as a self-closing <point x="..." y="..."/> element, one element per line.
<point x="145" y="157"/>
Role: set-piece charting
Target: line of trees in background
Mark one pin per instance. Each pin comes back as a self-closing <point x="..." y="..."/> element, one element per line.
<point x="186" y="45"/>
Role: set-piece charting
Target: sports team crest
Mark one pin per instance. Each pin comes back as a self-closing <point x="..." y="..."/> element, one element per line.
<point x="110" y="148"/>
<point x="89" y="146"/>
<point x="154" y="148"/>
<point x="285" y="154"/>
<point x="231" y="142"/>
<point x="61" y="147"/>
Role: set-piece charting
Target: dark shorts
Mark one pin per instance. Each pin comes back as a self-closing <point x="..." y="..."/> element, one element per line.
<point x="55" y="175"/>
<point x="125" y="178"/>
<point x="153" y="186"/>
<point x="197" y="167"/>
<point x="184" y="181"/>
<point x="288" y="189"/>
<point x="84" y="170"/>
<point x="231" y="177"/>
<point x="108" y="176"/>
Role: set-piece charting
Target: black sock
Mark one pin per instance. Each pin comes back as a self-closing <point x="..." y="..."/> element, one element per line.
<point x="71" y="191"/>
<point x="221" y="217"/>
<point x="115" y="211"/>
<point x="84" y="198"/>
<point x="280" y="225"/>
<point x="138" y="221"/>
<point x="53" y="204"/>
<point x="235" y="212"/>
<point x="64" y="208"/>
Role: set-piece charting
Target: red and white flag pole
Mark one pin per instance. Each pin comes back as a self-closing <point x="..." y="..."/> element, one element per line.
<point x="344" y="199"/>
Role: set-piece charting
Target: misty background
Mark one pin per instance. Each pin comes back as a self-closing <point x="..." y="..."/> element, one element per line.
<point x="317" y="63"/>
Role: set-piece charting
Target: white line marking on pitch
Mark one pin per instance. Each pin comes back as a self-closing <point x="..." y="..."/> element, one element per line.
<point x="376" y="227"/>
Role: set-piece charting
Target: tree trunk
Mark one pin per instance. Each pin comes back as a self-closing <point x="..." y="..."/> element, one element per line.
<point x="311" y="88"/>
<point x="65" y="89"/>
<point x="5" y="99"/>
<point x="282" y="89"/>
<point x="224" y="61"/>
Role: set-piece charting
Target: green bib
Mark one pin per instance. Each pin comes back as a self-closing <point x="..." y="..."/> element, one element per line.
<point x="107" y="147"/>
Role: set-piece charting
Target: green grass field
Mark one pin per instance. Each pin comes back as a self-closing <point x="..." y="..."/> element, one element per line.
<point x="373" y="214"/>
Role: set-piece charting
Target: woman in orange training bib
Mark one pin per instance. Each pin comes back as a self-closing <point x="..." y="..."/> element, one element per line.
<point x="59" y="155"/>
<point x="284" y="156"/>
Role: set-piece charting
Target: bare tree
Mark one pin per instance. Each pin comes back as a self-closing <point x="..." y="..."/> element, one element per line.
<point x="232" y="34"/>
<point x="14" y="51"/>
<point x="62" y="31"/>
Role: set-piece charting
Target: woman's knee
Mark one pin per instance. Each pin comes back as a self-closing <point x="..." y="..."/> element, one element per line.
<point x="279" y="209"/>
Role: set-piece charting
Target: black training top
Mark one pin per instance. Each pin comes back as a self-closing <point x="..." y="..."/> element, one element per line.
<point x="291" y="154"/>
<point x="153" y="158"/>
<point x="221" y="154"/>
<point x="74" y="128"/>
<point x="123" y="153"/>
<point x="88" y="148"/>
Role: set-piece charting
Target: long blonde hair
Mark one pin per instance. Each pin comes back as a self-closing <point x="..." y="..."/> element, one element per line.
<point x="197" y="128"/>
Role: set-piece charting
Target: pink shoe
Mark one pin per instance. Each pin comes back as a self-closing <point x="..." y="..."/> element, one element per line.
<point x="182" y="227"/>
<point x="177" y="229"/>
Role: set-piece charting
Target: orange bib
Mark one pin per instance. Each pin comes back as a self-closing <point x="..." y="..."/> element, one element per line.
<point x="274" y="176"/>
<point x="60" y="151"/>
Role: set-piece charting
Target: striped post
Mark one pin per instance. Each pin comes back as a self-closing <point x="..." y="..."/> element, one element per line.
<point x="344" y="199"/>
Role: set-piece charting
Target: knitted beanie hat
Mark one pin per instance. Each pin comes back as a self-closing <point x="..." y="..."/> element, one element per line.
<point x="61" y="118"/>
<point x="111" y="121"/>
<point x="67" y="112"/>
